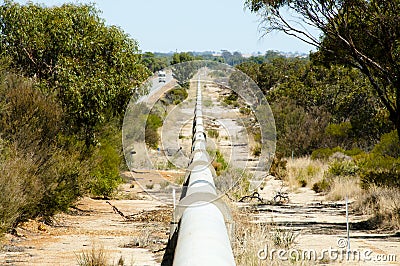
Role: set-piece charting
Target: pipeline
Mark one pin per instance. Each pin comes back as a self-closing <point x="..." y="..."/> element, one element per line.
<point x="202" y="222"/>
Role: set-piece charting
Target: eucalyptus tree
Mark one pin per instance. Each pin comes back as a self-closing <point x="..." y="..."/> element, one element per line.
<point x="91" y="68"/>
<point x="358" y="33"/>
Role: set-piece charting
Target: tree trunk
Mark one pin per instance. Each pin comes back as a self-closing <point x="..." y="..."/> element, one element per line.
<point x="398" y="126"/>
<point x="395" y="118"/>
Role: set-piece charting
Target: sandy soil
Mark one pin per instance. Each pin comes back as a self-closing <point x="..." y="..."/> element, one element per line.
<point x="138" y="238"/>
<point x="321" y="225"/>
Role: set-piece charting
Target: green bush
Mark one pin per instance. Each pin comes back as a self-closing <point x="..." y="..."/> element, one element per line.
<point x="19" y="188"/>
<point x="353" y="152"/>
<point x="298" y="129"/>
<point x="231" y="99"/>
<point x="213" y="133"/>
<point x="152" y="124"/>
<point x="219" y="163"/>
<point x="245" y="110"/>
<point x="388" y="145"/>
<point x="381" y="178"/>
<point x="338" y="130"/>
<point x="379" y="170"/>
<point x="322" y="186"/>
<point x="325" y="153"/>
<point x="105" y="175"/>
<point x="236" y="181"/>
<point x="176" y="96"/>
<point x="343" y="168"/>
<point x="382" y="166"/>
<point x="256" y="150"/>
<point x="106" y="161"/>
<point x="64" y="180"/>
<point x="50" y="165"/>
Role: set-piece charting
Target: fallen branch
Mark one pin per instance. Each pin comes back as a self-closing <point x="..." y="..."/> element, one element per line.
<point x="115" y="209"/>
<point x="255" y="195"/>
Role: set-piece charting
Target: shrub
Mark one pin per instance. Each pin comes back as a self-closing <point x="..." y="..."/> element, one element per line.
<point x="245" y="110"/>
<point x="299" y="130"/>
<point x="176" y="96"/>
<point x="343" y="168"/>
<point x="388" y="145"/>
<point x="322" y="186"/>
<point x="237" y="181"/>
<point x="283" y="238"/>
<point x="213" y="133"/>
<point x="231" y="99"/>
<point x="339" y="133"/>
<point x="302" y="182"/>
<point x="64" y="180"/>
<point x="256" y="150"/>
<point x="324" y="153"/>
<point x="388" y="178"/>
<point x="152" y="124"/>
<point x="219" y="163"/>
<point x="49" y="164"/>
<point x="278" y="167"/>
<point x="149" y="186"/>
<point x="338" y="130"/>
<point x="382" y="166"/>
<point x="19" y="188"/>
<point x="257" y="136"/>
<point x="106" y="161"/>
<point x="379" y="170"/>
<point x="354" y="152"/>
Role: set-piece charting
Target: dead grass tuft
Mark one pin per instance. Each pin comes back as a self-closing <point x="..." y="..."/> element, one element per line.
<point x="343" y="187"/>
<point x="251" y="237"/>
<point x="384" y="204"/>
<point x="304" y="172"/>
<point x="96" y="256"/>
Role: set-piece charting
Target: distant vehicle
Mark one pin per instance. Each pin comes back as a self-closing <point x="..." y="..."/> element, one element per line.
<point x="162" y="76"/>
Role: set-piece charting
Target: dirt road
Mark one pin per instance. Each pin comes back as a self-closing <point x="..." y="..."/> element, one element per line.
<point x="135" y="240"/>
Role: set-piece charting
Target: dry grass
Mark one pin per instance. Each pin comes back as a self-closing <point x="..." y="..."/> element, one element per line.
<point x="304" y="172"/>
<point x="383" y="203"/>
<point x="343" y="187"/>
<point x="251" y="237"/>
<point x="142" y="240"/>
<point x="96" y="256"/>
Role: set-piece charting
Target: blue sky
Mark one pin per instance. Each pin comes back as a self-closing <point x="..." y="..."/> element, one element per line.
<point x="187" y="25"/>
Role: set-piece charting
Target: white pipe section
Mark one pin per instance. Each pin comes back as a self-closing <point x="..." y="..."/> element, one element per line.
<point x="199" y="145"/>
<point x="199" y="128"/>
<point x="200" y="156"/>
<point x="203" y="238"/>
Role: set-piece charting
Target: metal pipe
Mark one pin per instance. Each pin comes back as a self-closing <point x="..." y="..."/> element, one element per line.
<point x="202" y="236"/>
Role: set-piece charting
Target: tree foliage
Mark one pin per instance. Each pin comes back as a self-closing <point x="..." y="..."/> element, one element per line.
<point x="338" y="98"/>
<point x="91" y="68"/>
<point x="65" y="79"/>
<point x="155" y="62"/>
<point x="359" y="33"/>
<point x="182" y="71"/>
